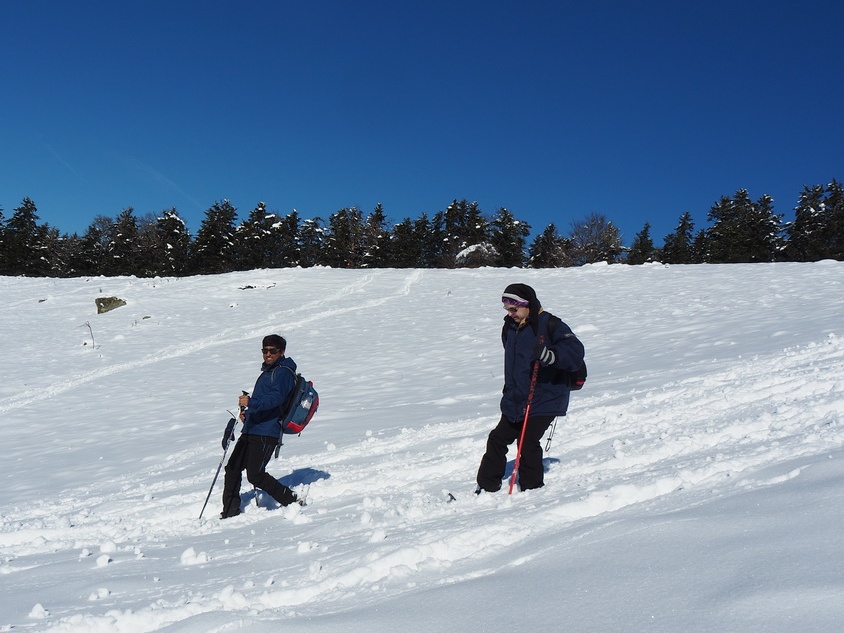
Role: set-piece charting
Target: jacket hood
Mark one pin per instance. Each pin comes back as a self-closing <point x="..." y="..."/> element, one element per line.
<point x="284" y="361"/>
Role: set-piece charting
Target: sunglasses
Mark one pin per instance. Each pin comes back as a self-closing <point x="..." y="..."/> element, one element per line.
<point x="269" y="350"/>
<point x="511" y="309"/>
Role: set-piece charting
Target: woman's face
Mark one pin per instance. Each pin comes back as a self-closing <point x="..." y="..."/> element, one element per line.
<point x="517" y="313"/>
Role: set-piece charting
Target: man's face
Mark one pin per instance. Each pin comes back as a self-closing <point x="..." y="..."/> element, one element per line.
<point x="270" y="353"/>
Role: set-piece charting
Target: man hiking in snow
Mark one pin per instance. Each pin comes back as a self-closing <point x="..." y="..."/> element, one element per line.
<point x="530" y="335"/>
<point x="260" y="413"/>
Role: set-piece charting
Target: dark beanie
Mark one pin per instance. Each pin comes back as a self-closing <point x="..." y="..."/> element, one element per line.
<point x="528" y="294"/>
<point x="274" y="340"/>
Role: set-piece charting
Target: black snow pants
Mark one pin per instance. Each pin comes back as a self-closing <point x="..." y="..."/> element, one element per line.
<point x="252" y="452"/>
<point x="494" y="461"/>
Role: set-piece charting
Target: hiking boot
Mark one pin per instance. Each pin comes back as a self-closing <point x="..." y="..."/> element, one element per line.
<point x="289" y="499"/>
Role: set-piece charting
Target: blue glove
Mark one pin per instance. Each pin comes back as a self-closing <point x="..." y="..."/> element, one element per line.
<point x="544" y="355"/>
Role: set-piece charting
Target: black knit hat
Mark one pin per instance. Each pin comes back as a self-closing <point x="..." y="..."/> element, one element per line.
<point x="524" y="292"/>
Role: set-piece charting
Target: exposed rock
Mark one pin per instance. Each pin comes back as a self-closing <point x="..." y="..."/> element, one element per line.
<point x="106" y="304"/>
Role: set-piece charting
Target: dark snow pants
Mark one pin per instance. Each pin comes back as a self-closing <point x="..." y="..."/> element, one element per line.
<point x="494" y="461"/>
<point x="252" y="452"/>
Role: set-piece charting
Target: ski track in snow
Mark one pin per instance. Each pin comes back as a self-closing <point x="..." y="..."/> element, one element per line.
<point x="318" y="309"/>
<point x="363" y="535"/>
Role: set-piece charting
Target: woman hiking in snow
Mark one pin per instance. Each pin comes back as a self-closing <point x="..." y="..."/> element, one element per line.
<point x="530" y="335"/>
<point x="260" y="414"/>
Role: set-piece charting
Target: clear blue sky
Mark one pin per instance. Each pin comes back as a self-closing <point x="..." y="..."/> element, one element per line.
<point x="553" y="109"/>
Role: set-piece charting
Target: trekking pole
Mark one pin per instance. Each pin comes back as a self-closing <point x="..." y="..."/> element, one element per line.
<point x="254" y="488"/>
<point x="525" y="422"/>
<point x="550" y="435"/>
<point x="227" y="438"/>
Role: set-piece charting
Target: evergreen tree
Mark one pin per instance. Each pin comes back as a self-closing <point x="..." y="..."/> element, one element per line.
<point x="312" y="241"/>
<point x="818" y="228"/>
<point x="56" y="253"/>
<point x="445" y="240"/>
<point x="406" y="246"/>
<point x="215" y="248"/>
<point x="69" y="252"/>
<point x="24" y="248"/>
<point x="256" y="239"/>
<point x="720" y="246"/>
<point x="476" y="226"/>
<point x="678" y="246"/>
<point x="413" y="244"/>
<point x="376" y="240"/>
<point x="805" y="241"/>
<point x="3" y="251"/>
<point x="173" y="244"/>
<point x="508" y="239"/>
<point x="344" y="241"/>
<point x="287" y="248"/>
<point x="835" y="224"/>
<point x="266" y="240"/>
<point x="743" y="231"/>
<point x="436" y="240"/>
<point x="88" y="253"/>
<point x="3" y="258"/>
<point x="46" y="236"/>
<point x="462" y="225"/>
<point x="122" y="248"/>
<point x="550" y="250"/>
<point x="700" y="247"/>
<point x="770" y="245"/>
<point x="148" y="246"/>
<point x="642" y="250"/>
<point x="401" y="241"/>
<point x="430" y="241"/>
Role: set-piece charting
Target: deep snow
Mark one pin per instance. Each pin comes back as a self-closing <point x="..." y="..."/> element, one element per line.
<point x="696" y="484"/>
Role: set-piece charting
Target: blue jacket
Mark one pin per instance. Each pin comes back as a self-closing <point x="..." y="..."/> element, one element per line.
<point x="271" y="390"/>
<point x="551" y="395"/>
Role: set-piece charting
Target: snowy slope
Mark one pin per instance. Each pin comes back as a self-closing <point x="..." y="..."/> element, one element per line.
<point x="696" y="484"/>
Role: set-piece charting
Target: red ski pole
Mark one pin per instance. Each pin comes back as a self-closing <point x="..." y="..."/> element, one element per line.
<point x="525" y="421"/>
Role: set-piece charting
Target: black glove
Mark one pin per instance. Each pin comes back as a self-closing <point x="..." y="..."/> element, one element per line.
<point x="544" y="355"/>
<point x="228" y="436"/>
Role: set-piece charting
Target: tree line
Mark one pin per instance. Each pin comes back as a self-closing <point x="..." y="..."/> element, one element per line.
<point x="462" y="235"/>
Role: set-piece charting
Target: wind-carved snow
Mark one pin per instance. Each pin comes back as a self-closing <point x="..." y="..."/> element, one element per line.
<point x="704" y="450"/>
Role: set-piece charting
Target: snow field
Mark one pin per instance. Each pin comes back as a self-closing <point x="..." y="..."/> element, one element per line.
<point x="708" y="385"/>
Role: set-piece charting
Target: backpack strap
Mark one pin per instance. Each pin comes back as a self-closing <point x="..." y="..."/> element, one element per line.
<point x="284" y="407"/>
<point x="553" y="322"/>
<point x="282" y="410"/>
<point x="272" y="375"/>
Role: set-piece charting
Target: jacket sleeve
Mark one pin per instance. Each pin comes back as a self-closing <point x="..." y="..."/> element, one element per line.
<point x="566" y="346"/>
<point x="271" y="398"/>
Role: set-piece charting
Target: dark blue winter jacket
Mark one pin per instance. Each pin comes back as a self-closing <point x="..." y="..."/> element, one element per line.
<point x="272" y="388"/>
<point x="551" y="395"/>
